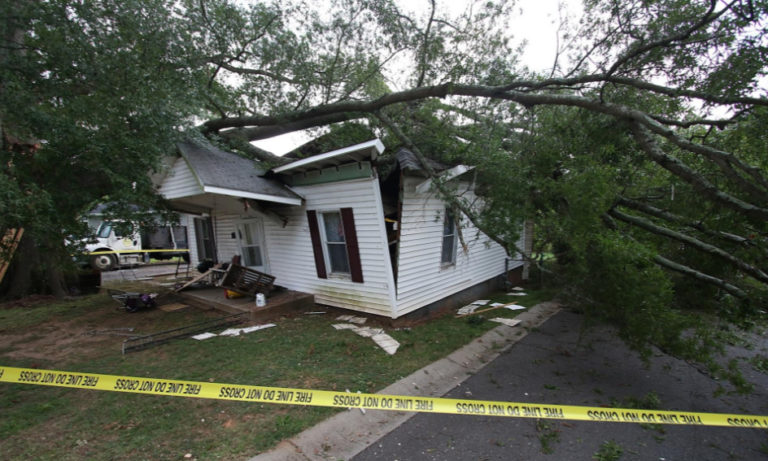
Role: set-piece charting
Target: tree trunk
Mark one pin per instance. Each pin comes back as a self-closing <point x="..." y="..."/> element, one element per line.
<point x="35" y="271"/>
<point x="22" y="265"/>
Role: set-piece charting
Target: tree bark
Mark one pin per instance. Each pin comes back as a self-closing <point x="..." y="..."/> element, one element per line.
<point x="23" y="264"/>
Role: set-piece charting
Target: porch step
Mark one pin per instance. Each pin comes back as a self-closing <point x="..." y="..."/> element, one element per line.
<point x="213" y="298"/>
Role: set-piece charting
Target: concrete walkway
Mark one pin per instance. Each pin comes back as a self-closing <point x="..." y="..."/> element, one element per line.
<point x="347" y="434"/>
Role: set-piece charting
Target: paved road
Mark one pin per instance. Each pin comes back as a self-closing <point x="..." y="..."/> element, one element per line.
<point x="557" y="364"/>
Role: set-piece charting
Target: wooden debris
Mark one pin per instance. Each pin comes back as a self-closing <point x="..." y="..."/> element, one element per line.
<point x="352" y="318"/>
<point x="198" y="278"/>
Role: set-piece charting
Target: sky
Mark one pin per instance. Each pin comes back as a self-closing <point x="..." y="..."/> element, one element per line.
<point x="536" y="21"/>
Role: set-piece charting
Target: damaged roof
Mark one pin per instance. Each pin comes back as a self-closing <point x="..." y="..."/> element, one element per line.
<point x="220" y="171"/>
<point x="410" y="163"/>
<point x="355" y="153"/>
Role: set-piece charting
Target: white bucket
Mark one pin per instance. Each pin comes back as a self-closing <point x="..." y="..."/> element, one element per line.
<point x="261" y="300"/>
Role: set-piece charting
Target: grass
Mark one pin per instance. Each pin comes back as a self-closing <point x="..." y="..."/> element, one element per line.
<point x="302" y="352"/>
<point x="609" y="451"/>
<point x="760" y="363"/>
<point x="549" y="434"/>
<point x="649" y="401"/>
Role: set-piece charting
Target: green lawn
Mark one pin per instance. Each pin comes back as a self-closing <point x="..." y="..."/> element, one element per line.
<point x="301" y="352"/>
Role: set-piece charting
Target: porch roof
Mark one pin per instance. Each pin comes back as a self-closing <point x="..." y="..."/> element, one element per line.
<point x="225" y="173"/>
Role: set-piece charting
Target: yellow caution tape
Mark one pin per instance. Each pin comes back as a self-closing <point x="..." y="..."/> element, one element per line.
<point x="288" y="396"/>
<point x="180" y="250"/>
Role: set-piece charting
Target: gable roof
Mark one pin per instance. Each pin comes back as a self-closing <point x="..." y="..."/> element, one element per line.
<point x="225" y="173"/>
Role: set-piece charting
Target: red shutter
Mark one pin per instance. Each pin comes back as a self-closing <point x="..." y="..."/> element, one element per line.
<point x="317" y="244"/>
<point x="353" y="251"/>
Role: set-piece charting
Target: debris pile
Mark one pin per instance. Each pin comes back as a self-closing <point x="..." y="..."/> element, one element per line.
<point x="383" y="340"/>
<point x="233" y="331"/>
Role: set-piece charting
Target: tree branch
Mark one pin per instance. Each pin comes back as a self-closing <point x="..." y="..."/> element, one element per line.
<point x="448" y="196"/>
<point x="424" y="47"/>
<point x="671" y="265"/>
<point x="667" y="216"/>
<point x="650" y="147"/>
<point x="246" y="71"/>
<point x="693" y="242"/>
<point x="639" y="49"/>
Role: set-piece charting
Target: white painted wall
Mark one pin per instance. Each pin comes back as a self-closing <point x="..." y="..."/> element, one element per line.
<point x="422" y="279"/>
<point x="289" y="249"/>
<point x="180" y="182"/>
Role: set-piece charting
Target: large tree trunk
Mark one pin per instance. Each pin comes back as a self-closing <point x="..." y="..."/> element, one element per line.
<point x="35" y="271"/>
<point x="22" y="265"/>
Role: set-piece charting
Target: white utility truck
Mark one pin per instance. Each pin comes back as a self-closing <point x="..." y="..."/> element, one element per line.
<point x="124" y="244"/>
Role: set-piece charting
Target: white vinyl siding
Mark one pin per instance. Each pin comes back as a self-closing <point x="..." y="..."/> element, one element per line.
<point x="181" y="182"/>
<point x="291" y="257"/>
<point x="289" y="248"/>
<point x="225" y="230"/>
<point x="422" y="277"/>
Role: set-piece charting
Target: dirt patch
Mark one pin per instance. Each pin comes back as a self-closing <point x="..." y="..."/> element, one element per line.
<point x="28" y="301"/>
<point x="61" y="339"/>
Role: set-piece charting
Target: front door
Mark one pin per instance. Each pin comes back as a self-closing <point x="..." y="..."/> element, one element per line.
<point x="250" y="236"/>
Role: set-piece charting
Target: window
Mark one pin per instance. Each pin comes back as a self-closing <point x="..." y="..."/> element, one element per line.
<point x="104" y="230"/>
<point x="335" y="244"/>
<point x="449" y="239"/>
<point x="250" y="238"/>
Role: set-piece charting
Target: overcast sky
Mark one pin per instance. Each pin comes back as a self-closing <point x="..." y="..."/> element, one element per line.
<point x="536" y="21"/>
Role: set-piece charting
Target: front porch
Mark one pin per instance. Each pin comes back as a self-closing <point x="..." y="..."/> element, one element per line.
<point x="280" y="302"/>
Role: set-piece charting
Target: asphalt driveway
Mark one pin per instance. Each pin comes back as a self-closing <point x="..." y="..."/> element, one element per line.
<point x="559" y="363"/>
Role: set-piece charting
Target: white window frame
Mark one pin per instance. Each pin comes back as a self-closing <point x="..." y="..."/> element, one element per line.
<point x="262" y="243"/>
<point x="324" y="239"/>
<point x="455" y="235"/>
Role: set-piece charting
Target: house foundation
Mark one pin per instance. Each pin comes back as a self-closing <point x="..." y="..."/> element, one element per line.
<point x="455" y="301"/>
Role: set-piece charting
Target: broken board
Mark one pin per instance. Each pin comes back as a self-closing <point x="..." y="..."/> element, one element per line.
<point x="500" y="306"/>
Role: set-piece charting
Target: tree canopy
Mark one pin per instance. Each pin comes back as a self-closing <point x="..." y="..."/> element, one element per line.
<point x="640" y="155"/>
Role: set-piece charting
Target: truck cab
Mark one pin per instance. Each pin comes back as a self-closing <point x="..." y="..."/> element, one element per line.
<point x="112" y="240"/>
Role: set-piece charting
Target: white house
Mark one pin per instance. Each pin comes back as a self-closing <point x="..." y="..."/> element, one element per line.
<point x="330" y="226"/>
